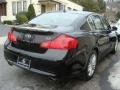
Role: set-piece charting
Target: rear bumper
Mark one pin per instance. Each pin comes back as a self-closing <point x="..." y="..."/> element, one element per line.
<point x="54" y="63"/>
<point x="33" y="69"/>
<point x="55" y="69"/>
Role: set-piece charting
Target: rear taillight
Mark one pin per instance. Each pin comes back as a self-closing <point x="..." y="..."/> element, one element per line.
<point x="61" y="42"/>
<point x="11" y="37"/>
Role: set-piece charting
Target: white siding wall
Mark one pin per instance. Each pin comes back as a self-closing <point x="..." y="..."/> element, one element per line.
<point x="37" y="7"/>
<point x="9" y="10"/>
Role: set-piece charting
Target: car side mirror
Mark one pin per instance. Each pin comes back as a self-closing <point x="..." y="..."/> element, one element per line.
<point x="106" y="31"/>
<point x="114" y="28"/>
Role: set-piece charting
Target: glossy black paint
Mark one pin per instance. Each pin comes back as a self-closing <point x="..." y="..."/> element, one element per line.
<point x="60" y="63"/>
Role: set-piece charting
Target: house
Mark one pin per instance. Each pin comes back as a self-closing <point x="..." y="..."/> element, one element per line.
<point x="9" y="8"/>
<point x="3" y="8"/>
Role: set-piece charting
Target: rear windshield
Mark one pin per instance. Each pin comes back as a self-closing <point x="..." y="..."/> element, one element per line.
<point x="60" y="19"/>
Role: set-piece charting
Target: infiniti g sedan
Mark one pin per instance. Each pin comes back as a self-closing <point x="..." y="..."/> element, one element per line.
<point x="61" y="44"/>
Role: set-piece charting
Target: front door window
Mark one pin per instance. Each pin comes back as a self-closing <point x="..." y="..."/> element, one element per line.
<point x="98" y="23"/>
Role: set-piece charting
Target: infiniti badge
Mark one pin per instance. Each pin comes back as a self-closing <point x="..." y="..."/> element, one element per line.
<point x="28" y="36"/>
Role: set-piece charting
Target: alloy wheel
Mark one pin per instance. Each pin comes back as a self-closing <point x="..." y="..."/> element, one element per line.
<point x="92" y="65"/>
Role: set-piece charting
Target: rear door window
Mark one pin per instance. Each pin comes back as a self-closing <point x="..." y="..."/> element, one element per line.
<point x="91" y="23"/>
<point x="105" y="23"/>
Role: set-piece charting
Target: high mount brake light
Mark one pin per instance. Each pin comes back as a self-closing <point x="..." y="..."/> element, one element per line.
<point x="11" y="37"/>
<point x="61" y="42"/>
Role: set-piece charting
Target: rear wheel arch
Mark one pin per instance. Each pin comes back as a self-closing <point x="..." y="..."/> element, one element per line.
<point x="87" y="57"/>
<point x="115" y="46"/>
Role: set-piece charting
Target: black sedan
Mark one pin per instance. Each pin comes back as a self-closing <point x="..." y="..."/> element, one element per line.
<point x="61" y="44"/>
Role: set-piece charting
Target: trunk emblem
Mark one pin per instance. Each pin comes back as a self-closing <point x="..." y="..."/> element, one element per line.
<point x="28" y="36"/>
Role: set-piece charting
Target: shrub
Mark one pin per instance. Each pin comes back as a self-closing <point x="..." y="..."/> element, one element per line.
<point x="23" y="13"/>
<point x="21" y="18"/>
<point x="31" y="12"/>
<point x="8" y="22"/>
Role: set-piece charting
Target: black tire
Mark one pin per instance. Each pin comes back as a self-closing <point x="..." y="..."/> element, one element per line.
<point x="113" y="51"/>
<point x="10" y="64"/>
<point x="87" y="75"/>
<point x="115" y="47"/>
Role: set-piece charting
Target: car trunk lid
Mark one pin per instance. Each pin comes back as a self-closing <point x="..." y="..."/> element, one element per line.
<point x="29" y="39"/>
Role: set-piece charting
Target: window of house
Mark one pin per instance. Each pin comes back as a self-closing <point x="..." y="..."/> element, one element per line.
<point x="24" y="5"/>
<point x="14" y="6"/>
<point x="19" y="6"/>
<point x="43" y="8"/>
<point x="62" y="7"/>
<point x="3" y="9"/>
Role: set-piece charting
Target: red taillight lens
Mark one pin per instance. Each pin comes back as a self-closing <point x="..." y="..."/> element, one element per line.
<point x="61" y="42"/>
<point x="11" y="37"/>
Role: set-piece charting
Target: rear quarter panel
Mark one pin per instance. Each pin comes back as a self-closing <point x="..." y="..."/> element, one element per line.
<point x="87" y="42"/>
